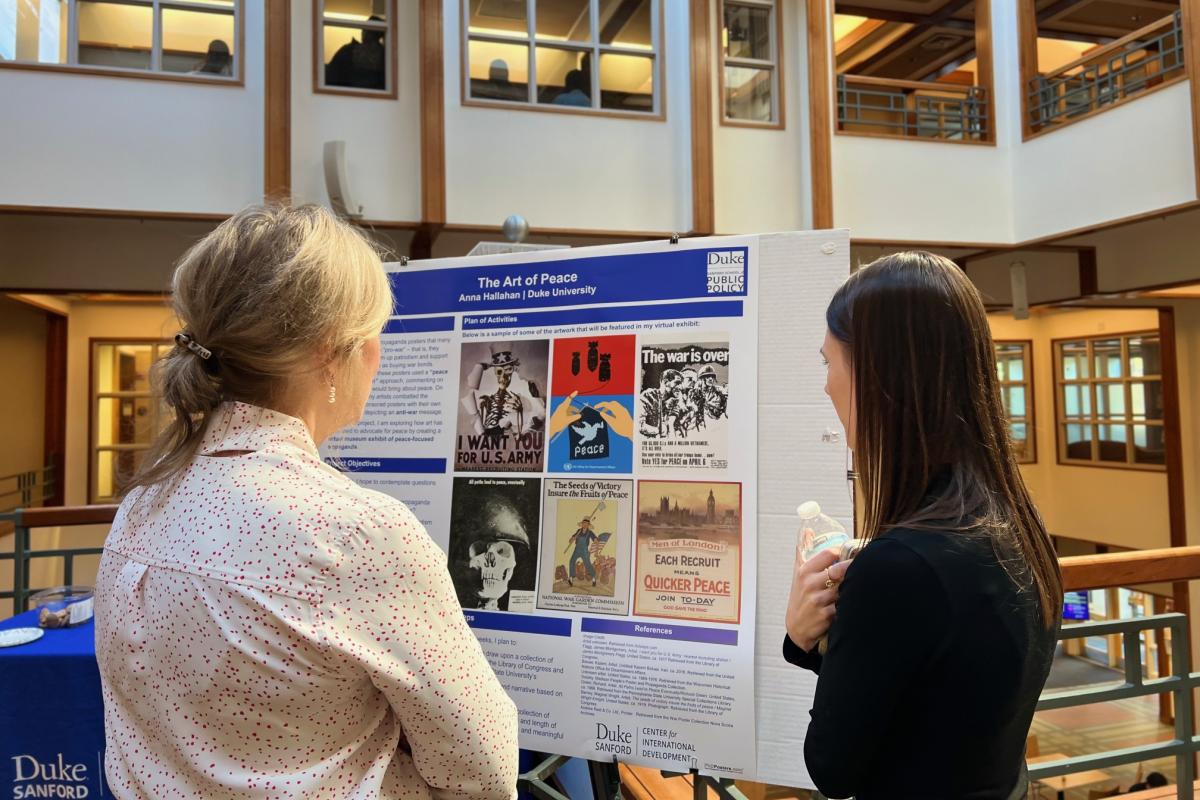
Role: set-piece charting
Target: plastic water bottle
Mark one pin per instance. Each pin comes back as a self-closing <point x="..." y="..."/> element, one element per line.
<point x="819" y="532"/>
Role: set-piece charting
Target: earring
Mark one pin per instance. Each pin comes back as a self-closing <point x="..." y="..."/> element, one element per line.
<point x="332" y="389"/>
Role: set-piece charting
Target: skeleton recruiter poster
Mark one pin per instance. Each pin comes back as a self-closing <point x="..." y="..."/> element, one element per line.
<point x="581" y="430"/>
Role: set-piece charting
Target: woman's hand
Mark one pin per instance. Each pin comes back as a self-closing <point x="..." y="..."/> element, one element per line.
<point x="810" y="607"/>
<point x="566" y="414"/>
<point x="617" y="416"/>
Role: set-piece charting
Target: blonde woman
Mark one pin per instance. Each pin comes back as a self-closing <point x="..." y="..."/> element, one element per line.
<point x="266" y="627"/>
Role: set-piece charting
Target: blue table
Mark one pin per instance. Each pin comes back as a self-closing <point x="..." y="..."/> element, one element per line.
<point x="51" y="714"/>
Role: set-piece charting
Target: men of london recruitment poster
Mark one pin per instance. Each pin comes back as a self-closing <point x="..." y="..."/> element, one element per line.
<point x="587" y="529"/>
<point x="592" y="385"/>
<point x="494" y="541"/>
<point x="689" y="550"/>
<point x="683" y="407"/>
<point x="502" y="406"/>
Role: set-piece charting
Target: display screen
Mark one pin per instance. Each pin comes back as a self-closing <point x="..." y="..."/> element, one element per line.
<point x="1075" y="605"/>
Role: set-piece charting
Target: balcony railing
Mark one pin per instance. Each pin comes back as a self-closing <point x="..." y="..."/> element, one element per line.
<point x="26" y="519"/>
<point x="912" y="109"/>
<point x="27" y="489"/>
<point x="1146" y="58"/>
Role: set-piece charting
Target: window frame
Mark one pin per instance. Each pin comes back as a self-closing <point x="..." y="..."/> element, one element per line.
<point x="1093" y="421"/>
<point x="657" y="53"/>
<point x="94" y="398"/>
<point x="392" y="76"/>
<point x="73" y="67"/>
<point x="778" y="101"/>
<point x="1030" y="418"/>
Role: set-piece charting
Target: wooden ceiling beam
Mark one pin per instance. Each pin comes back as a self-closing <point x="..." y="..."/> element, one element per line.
<point x="919" y="29"/>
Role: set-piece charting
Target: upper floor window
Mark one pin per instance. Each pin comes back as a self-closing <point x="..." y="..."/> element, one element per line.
<point x="189" y="39"/>
<point x="602" y="55"/>
<point x="355" y="51"/>
<point x="126" y="414"/>
<point x="1014" y="368"/>
<point x="1110" y="401"/>
<point x="751" y="80"/>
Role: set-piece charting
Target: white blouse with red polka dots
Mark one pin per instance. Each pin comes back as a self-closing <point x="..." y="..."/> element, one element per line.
<point x="267" y="628"/>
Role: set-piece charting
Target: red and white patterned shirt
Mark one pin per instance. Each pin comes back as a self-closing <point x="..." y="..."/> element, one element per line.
<point x="267" y="628"/>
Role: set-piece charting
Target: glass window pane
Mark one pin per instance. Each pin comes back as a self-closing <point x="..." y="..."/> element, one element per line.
<point x="1149" y="444"/>
<point x="1107" y="353"/>
<point x="1145" y="356"/>
<point x="1146" y="400"/>
<point x="748" y="94"/>
<point x="1079" y="441"/>
<point x="1110" y="400"/>
<point x="561" y="79"/>
<point x="355" y="57"/>
<point x="1019" y="434"/>
<point x="115" y="35"/>
<point x="626" y="23"/>
<point x="565" y="20"/>
<point x="1074" y="360"/>
<point x="747" y="32"/>
<point x="499" y="71"/>
<point x="626" y="82"/>
<point x="125" y="420"/>
<point x="34" y="32"/>
<point x="1111" y="443"/>
<point x="1077" y="401"/>
<point x="1010" y="362"/>
<point x="504" y="17"/>
<point x="1014" y="400"/>
<point x="197" y="42"/>
<point x="356" y="10"/>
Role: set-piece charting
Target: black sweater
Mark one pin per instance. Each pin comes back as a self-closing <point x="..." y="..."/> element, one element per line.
<point x="936" y="659"/>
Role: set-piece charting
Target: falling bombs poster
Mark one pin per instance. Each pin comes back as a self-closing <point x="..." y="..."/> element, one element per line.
<point x="577" y="430"/>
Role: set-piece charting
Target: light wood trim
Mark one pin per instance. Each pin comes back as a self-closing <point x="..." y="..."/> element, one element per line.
<point x="703" y="197"/>
<point x="103" y="72"/>
<point x="1027" y="35"/>
<point x="984" y="73"/>
<point x="1058" y="126"/>
<point x="864" y="29"/>
<point x="820" y="112"/>
<point x="921" y="86"/>
<point x="1100" y="53"/>
<point x="277" y="122"/>
<point x="114" y="213"/>
<point x="1190" y="12"/>
<point x="922" y="139"/>
<point x="1030" y="403"/>
<point x="780" y="123"/>
<point x="53" y="517"/>
<point x="393" y="224"/>
<point x="548" y="108"/>
<point x="433" y="113"/>
<point x="318" y="62"/>
<point x="1131" y="567"/>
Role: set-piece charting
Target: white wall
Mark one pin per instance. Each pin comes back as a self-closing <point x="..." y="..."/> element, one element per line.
<point x="125" y="143"/>
<point x="382" y="135"/>
<point x="1150" y="253"/>
<point x="761" y="179"/>
<point x="570" y="170"/>
<point x="1128" y="160"/>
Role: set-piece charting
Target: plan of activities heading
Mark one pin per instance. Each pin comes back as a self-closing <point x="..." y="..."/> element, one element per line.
<point x="676" y="274"/>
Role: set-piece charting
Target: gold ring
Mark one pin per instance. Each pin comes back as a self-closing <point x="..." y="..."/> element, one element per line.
<point x="828" y="579"/>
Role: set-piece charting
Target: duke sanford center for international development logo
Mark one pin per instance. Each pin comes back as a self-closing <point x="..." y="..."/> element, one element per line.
<point x="58" y="778"/>
<point x="726" y="271"/>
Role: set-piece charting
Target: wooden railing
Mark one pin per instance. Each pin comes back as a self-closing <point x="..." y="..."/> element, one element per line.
<point x="1146" y="58"/>
<point x="1132" y="567"/>
<point x="26" y="519"/>
<point x="912" y="109"/>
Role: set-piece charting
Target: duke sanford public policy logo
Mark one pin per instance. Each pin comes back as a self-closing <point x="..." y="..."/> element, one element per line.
<point x="726" y="271"/>
<point x="58" y="778"/>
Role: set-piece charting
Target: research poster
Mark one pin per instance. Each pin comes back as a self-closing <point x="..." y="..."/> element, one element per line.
<point x="577" y="429"/>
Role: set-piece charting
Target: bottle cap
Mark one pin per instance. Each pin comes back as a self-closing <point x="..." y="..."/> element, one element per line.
<point x="809" y="510"/>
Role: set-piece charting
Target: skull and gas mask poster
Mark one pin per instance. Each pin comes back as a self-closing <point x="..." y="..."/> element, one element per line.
<point x="494" y="541"/>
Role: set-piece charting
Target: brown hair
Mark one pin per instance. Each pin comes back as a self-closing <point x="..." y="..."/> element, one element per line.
<point x="267" y="292"/>
<point x="932" y="444"/>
